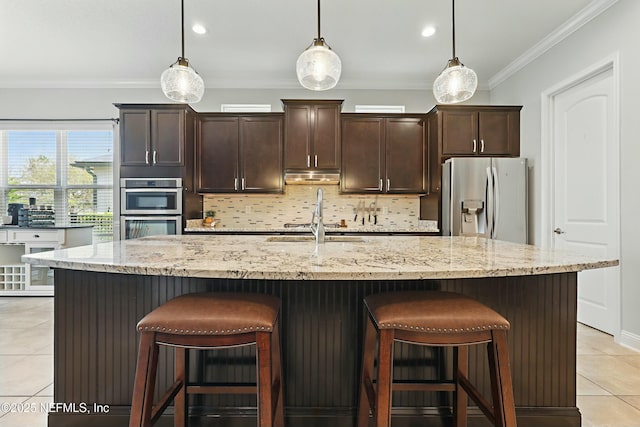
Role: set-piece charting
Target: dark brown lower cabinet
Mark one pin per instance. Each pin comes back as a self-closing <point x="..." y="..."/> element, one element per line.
<point x="239" y="153"/>
<point x="96" y="344"/>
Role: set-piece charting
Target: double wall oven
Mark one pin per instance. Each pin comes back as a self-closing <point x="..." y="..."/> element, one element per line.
<point x="150" y="206"/>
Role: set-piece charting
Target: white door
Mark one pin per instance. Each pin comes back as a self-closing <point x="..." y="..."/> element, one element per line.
<point x="586" y="184"/>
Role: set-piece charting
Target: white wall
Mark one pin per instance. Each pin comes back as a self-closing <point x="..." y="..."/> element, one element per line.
<point x="616" y="30"/>
<point x="98" y="103"/>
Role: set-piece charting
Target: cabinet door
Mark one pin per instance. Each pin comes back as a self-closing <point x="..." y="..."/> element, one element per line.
<point x="326" y="137"/>
<point x="297" y="137"/>
<point x="135" y="137"/>
<point x="362" y="154"/>
<point x="459" y="131"/>
<point x="167" y="137"/>
<point x="261" y="154"/>
<point x="405" y="155"/>
<point x="217" y="155"/>
<point x="499" y="133"/>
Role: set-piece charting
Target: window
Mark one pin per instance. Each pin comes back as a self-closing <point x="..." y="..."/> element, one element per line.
<point x="379" y="108"/>
<point x="68" y="168"/>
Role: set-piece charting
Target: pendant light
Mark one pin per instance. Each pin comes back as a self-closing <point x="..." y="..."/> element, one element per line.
<point x="318" y="67"/>
<point x="456" y="83"/>
<point x="180" y="82"/>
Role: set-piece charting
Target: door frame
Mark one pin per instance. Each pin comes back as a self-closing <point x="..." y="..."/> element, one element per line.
<point x="611" y="62"/>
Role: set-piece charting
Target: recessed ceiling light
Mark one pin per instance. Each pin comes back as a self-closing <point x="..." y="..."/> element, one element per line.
<point x="199" y="29"/>
<point x="428" y="31"/>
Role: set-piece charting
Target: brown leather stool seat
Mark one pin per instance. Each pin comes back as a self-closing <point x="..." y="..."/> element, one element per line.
<point x="437" y="319"/>
<point x="209" y="321"/>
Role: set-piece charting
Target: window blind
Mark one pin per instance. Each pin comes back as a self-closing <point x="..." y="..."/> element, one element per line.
<point x="68" y="167"/>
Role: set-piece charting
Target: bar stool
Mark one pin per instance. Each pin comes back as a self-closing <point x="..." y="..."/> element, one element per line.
<point x="436" y="319"/>
<point x="209" y="321"/>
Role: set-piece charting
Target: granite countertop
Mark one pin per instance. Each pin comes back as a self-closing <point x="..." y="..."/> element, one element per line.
<point x="371" y="258"/>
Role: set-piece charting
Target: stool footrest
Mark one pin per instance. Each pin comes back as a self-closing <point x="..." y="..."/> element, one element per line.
<point x="164" y="401"/>
<point x="222" y="388"/>
<point x="475" y="395"/>
<point x="275" y="392"/>
<point x="371" y="392"/>
<point x="417" y="385"/>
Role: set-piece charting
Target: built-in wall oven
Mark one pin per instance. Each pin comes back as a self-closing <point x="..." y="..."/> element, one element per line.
<point x="150" y="206"/>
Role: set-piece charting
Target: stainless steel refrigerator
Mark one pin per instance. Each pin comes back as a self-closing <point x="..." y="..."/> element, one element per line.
<point x="485" y="197"/>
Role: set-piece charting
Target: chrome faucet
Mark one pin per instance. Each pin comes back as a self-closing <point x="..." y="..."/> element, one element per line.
<point x="318" y="228"/>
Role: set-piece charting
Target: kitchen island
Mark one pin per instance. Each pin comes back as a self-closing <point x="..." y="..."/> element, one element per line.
<point x="104" y="289"/>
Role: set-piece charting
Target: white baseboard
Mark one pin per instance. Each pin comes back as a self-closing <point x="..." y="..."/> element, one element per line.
<point x="629" y="339"/>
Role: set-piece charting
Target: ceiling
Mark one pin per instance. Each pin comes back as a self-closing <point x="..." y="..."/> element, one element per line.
<point x="255" y="43"/>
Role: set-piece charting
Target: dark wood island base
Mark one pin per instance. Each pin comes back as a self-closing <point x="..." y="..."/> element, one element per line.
<point x="96" y="345"/>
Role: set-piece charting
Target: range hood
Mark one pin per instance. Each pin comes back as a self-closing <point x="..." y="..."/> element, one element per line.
<point x="312" y="178"/>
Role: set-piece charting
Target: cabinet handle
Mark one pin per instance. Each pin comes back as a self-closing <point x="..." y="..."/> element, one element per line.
<point x="155" y="157"/>
<point x="475" y="145"/>
<point x="308" y="161"/>
<point x="315" y="160"/>
<point x="380" y="185"/>
<point x="482" y="145"/>
<point x="243" y="184"/>
<point x="146" y="157"/>
<point x="235" y="184"/>
<point x="388" y="184"/>
<point x="37" y="236"/>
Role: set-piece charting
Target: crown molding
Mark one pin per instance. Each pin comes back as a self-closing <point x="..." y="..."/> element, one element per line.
<point x="592" y="10"/>
<point x="80" y="84"/>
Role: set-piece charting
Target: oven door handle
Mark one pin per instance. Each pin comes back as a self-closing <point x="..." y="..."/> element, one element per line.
<point x="152" y="190"/>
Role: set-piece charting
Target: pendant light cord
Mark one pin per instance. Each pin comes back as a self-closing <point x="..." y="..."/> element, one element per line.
<point x="453" y="26"/>
<point x="319" y="20"/>
<point x="182" y="14"/>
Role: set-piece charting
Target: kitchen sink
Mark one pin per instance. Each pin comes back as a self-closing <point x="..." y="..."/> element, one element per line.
<point x="352" y="239"/>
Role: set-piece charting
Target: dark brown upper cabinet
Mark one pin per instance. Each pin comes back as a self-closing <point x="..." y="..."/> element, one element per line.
<point x="479" y="130"/>
<point x="239" y="153"/>
<point x="311" y="134"/>
<point x="152" y="135"/>
<point x="471" y="130"/>
<point x="383" y="154"/>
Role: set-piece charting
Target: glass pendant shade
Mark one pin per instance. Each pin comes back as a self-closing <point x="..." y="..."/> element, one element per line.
<point x="456" y="83"/>
<point x="181" y="83"/>
<point x="318" y="67"/>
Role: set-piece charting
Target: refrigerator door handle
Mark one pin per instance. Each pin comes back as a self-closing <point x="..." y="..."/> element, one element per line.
<point x="496" y="203"/>
<point x="489" y="208"/>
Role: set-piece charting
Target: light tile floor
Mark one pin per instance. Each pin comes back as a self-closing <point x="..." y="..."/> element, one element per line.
<point x="608" y="374"/>
<point x="26" y="360"/>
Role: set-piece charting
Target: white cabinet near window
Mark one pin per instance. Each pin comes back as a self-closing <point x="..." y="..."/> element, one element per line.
<point x="17" y="278"/>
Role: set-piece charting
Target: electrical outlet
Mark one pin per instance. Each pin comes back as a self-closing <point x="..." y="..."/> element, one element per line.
<point x="385" y="210"/>
<point x="248" y="209"/>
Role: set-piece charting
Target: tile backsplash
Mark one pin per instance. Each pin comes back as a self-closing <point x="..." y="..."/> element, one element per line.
<point x="296" y="206"/>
